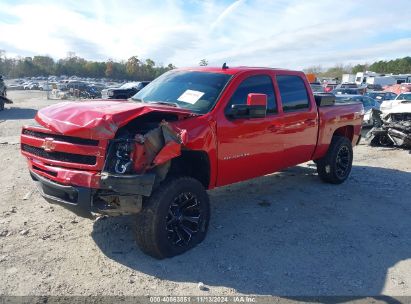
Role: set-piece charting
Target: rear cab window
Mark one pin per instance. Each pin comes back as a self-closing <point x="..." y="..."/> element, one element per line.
<point x="261" y="84"/>
<point x="294" y="95"/>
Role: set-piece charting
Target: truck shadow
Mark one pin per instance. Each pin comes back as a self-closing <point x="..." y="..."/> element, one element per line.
<point x="291" y="235"/>
<point x="17" y="113"/>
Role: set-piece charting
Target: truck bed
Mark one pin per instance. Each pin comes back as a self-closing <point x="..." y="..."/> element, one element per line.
<point x="335" y="117"/>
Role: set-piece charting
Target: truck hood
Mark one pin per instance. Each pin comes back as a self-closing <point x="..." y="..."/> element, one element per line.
<point x="99" y="119"/>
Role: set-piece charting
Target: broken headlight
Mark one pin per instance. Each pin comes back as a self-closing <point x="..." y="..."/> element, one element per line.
<point x="124" y="163"/>
<point x="119" y="158"/>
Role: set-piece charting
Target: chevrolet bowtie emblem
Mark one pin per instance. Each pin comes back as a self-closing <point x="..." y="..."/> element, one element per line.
<point x="48" y="144"/>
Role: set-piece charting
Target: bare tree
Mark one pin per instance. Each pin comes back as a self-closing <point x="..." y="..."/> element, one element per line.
<point x="203" y="62"/>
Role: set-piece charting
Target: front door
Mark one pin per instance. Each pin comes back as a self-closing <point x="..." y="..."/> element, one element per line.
<point x="250" y="147"/>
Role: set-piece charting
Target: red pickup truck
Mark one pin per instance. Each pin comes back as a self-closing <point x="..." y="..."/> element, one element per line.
<point x="189" y="130"/>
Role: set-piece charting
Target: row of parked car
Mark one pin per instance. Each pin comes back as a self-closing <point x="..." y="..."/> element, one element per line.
<point x="82" y="88"/>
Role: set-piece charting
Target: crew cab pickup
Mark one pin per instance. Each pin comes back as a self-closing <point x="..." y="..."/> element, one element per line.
<point x="188" y="131"/>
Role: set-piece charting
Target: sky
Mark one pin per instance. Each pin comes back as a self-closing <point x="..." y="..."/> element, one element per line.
<point x="293" y="34"/>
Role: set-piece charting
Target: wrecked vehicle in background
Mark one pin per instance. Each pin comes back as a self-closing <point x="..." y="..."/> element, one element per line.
<point x="392" y="126"/>
<point x="188" y="131"/>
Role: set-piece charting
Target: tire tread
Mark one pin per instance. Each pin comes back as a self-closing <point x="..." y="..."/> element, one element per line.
<point x="148" y="218"/>
<point x="328" y="159"/>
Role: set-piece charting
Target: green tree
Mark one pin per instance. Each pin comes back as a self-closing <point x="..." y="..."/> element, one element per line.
<point x="45" y="64"/>
<point x="336" y="71"/>
<point x="109" y="68"/>
<point x="133" y="69"/>
<point x="359" y="68"/>
<point x="133" y="66"/>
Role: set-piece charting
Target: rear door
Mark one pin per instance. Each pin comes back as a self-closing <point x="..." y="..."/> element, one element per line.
<point x="299" y="119"/>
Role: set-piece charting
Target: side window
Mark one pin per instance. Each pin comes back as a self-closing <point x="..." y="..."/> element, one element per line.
<point x="255" y="84"/>
<point x="293" y="93"/>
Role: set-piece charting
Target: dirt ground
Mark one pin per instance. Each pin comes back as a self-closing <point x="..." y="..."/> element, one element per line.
<point x="285" y="234"/>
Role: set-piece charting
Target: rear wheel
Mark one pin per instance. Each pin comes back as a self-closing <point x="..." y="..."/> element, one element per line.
<point x="174" y="219"/>
<point x="336" y="166"/>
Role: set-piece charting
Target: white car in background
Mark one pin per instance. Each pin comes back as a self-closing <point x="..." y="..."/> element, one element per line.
<point x="31" y="86"/>
<point x="46" y="86"/>
<point x="401" y="99"/>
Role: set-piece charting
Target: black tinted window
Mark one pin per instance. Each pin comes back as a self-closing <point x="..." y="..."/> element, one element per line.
<point x="293" y="93"/>
<point x="261" y="84"/>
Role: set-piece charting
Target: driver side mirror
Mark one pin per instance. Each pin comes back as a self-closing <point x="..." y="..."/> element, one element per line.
<point x="256" y="107"/>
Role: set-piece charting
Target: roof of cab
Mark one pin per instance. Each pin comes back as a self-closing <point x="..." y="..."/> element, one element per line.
<point x="232" y="70"/>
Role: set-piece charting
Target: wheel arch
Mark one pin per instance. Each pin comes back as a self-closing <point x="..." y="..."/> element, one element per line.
<point x="345" y="131"/>
<point x="193" y="163"/>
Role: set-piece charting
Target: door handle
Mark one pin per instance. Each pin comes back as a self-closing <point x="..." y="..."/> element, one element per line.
<point x="310" y="122"/>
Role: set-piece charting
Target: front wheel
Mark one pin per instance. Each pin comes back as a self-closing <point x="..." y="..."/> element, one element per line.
<point x="174" y="219"/>
<point x="335" y="166"/>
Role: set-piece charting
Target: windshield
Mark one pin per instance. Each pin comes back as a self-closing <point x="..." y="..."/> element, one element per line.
<point x="197" y="91"/>
<point x="404" y="97"/>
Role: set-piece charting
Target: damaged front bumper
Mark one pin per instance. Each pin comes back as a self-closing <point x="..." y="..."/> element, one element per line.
<point x="118" y="194"/>
<point x="116" y="184"/>
<point x="131" y="184"/>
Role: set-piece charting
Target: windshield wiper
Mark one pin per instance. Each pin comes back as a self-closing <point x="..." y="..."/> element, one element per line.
<point x="173" y="104"/>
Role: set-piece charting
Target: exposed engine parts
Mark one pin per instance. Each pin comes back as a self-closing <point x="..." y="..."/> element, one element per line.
<point x="134" y="164"/>
<point x="137" y="153"/>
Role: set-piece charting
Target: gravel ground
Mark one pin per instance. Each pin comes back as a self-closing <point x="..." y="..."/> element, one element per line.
<point x="285" y="234"/>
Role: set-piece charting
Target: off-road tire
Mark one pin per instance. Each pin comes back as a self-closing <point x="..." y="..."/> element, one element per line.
<point x="1" y="104"/>
<point x="152" y="231"/>
<point x="329" y="167"/>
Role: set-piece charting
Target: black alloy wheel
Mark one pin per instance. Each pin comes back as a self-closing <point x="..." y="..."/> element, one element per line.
<point x="183" y="219"/>
<point x="342" y="162"/>
<point x="174" y="218"/>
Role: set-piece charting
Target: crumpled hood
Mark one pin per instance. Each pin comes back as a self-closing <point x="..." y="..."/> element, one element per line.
<point x="97" y="119"/>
